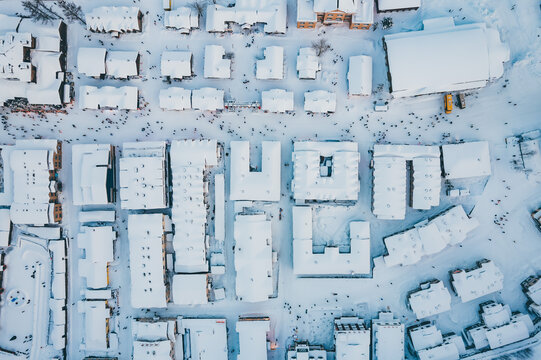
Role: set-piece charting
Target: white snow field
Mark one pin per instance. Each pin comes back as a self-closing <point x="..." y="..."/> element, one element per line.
<point x="303" y="308"/>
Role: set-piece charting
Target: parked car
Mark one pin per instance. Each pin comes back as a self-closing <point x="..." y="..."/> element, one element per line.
<point x="461" y="101"/>
<point x="448" y="103"/>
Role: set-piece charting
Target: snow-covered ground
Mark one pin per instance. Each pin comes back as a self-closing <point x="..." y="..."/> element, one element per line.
<point x="305" y="308"/>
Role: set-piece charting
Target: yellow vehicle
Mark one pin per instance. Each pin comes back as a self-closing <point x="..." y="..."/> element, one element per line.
<point x="448" y="103"/>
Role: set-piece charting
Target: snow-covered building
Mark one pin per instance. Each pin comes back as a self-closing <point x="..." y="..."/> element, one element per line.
<point x="444" y="57"/>
<point x="183" y="19"/>
<point x="207" y="99"/>
<point x="307" y="63"/>
<point x="96" y="325"/>
<point x="122" y="64"/>
<point x="303" y="351"/>
<point x="204" y="339"/>
<point x="5" y="228"/>
<point x="93" y="174"/>
<point x="261" y="184"/>
<point x="31" y="65"/>
<point x="390" y="178"/>
<point x="114" y="20"/>
<point x="246" y="13"/>
<point x="153" y="340"/>
<point x="253" y="338"/>
<point x="143" y="175"/>
<point x="332" y="261"/>
<point x="190" y="289"/>
<point x="532" y="289"/>
<point x="360" y="75"/>
<point x="387" y="337"/>
<point x="430" y="343"/>
<point x="471" y="284"/>
<point x="499" y="327"/>
<point x="351" y="339"/>
<point x="146" y="235"/>
<point x="216" y="65"/>
<point x="325" y="171"/>
<point x="358" y="13"/>
<point x="427" y="238"/>
<point x="319" y="101"/>
<point x="190" y="159"/>
<point x="277" y="101"/>
<point x="34" y="166"/>
<point x="432" y="298"/>
<point x="253" y="257"/>
<point x="108" y="97"/>
<point x="271" y="67"/>
<point x="176" y="64"/>
<point x="97" y="243"/>
<point x="91" y="61"/>
<point x="466" y="160"/>
<point x="175" y="98"/>
<point x="98" y="62"/>
<point x="397" y="5"/>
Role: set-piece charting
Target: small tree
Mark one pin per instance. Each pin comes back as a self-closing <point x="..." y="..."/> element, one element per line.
<point x="387" y="23"/>
<point x="72" y="11"/>
<point x="321" y="46"/>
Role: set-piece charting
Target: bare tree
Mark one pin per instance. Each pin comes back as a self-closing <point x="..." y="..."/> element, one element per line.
<point x="198" y="6"/>
<point x="72" y="11"/>
<point x="38" y="11"/>
<point x="321" y="46"/>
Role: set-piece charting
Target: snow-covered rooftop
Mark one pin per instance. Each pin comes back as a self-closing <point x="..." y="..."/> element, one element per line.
<point x="307" y="63"/>
<point x="245" y="13"/>
<point x="466" y="160"/>
<point x="255" y="184"/>
<point x="253" y="257"/>
<point x="320" y="101"/>
<point x="97" y="243"/>
<point x="277" y="101"/>
<point x="428" y="238"/>
<point x="183" y="19"/>
<point x="205" y="339"/>
<point x="430" y="344"/>
<point x="108" y="97"/>
<point x="147" y="258"/>
<point x="5" y="227"/>
<point x="444" y="57"/>
<point x="92" y="167"/>
<point x="207" y="99"/>
<point x="500" y="327"/>
<point x="176" y="64"/>
<point x="216" y="66"/>
<point x="175" y="98"/>
<point x="360" y="75"/>
<point x="387" y="337"/>
<point x="114" y="19"/>
<point x="96" y="319"/>
<point x="142" y="175"/>
<point x="390" y="5"/>
<point x="253" y="338"/>
<point x="91" y="61"/>
<point x="334" y="178"/>
<point x="331" y="262"/>
<point x="122" y="64"/>
<point x="433" y="298"/>
<point x="189" y="160"/>
<point x="475" y="283"/>
<point x="271" y="67"/>
<point x="152" y="339"/>
<point x="352" y="339"/>
<point x="390" y="179"/>
<point x="189" y="289"/>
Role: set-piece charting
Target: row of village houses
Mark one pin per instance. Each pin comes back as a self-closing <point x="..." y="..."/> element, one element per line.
<point x="413" y="59"/>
